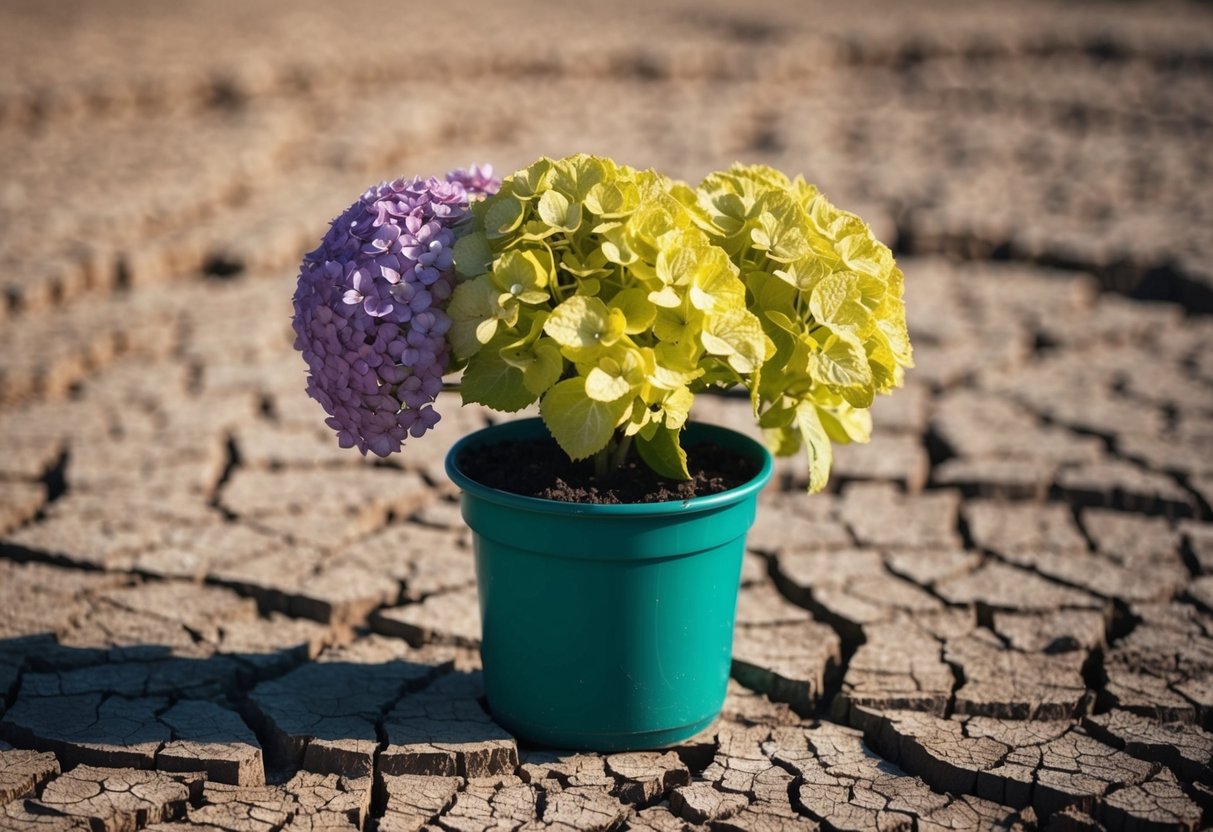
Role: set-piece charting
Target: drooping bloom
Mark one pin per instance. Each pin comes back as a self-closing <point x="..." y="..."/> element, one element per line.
<point x="369" y="307"/>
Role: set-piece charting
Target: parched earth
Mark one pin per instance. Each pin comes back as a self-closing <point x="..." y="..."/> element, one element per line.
<point x="999" y="616"/>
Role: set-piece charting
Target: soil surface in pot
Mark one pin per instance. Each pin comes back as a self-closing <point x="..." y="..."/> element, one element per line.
<point x="538" y="468"/>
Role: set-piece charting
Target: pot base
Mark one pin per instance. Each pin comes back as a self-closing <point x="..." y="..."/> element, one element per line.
<point x="545" y="735"/>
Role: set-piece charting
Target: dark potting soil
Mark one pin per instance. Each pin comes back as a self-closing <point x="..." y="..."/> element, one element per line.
<point x="538" y="468"/>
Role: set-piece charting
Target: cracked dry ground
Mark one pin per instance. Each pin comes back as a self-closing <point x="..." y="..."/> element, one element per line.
<point x="1000" y="615"/>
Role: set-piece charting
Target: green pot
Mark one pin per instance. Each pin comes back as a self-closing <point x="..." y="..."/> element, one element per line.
<point x="607" y="627"/>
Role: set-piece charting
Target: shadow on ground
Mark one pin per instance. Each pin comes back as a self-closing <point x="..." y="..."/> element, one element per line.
<point x="235" y="716"/>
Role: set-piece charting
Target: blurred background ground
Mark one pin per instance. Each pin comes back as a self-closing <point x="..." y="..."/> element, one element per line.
<point x="1007" y="595"/>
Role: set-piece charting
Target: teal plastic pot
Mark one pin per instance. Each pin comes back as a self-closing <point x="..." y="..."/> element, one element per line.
<point x="607" y="627"/>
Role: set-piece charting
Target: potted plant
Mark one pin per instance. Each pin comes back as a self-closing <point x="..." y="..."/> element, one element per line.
<point x="610" y="297"/>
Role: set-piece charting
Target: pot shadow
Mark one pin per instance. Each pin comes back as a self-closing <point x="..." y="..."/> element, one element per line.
<point x="245" y="717"/>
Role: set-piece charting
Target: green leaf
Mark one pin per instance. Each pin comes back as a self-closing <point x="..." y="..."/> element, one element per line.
<point x="617" y="371"/>
<point x="781" y="227"/>
<point x="594" y="264"/>
<point x="830" y="221"/>
<point x="715" y="285"/>
<point x="588" y="286"/>
<point x="645" y="231"/>
<point x="472" y="255"/>
<point x="524" y="274"/>
<point x="770" y="293"/>
<point x="678" y="323"/>
<point x="532" y="231"/>
<point x="736" y="335"/>
<point x="473" y="309"/>
<point x="615" y="247"/>
<point x="885" y="368"/>
<point x="580" y="425"/>
<point x="677" y="265"/>
<point x="606" y="382"/>
<point x="531" y="180"/>
<point x="817" y="444"/>
<point x="891" y="319"/>
<point x="675" y="365"/>
<point x="804" y="274"/>
<point x="780" y="415"/>
<point x="666" y="298"/>
<point x="676" y="407"/>
<point x="576" y="175"/>
<point x="556" y="210"/>
<point x="546" y="368"/>
<point x="636" y="308"/>
<point x="664" y="454"/>
<point x="842" y="365"/>
<point x="864" y="253"/>
<point x="503" y="215"/>
<point x="688" y="197"/>
<point x="783" y="440"/>
<point x="537" y="357"/>
<point x="846" y="300"/>
<point x="782" y="243"/>
<point x="763" y="174"/>
<point x="784" y="322"/>
<point x="717" y="372"/>
<point x="728" y="201"/>
<point x="614" y="199"/>
<point x="845" y="424"/>
<point x="803" y="192"/>
<point x="583" y="322"/>
<point x="491" y="381"/>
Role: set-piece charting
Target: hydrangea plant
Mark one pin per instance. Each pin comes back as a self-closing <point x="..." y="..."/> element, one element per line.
<point x="610" y="296"/>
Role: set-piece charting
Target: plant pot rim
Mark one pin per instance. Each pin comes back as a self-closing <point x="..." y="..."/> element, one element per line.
<point x="533" y="427"/>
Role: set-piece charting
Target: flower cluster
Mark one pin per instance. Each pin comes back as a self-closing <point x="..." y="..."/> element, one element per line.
<point x="587" y="287"/>
<point x="613" y="296"/>
<point x="829" y="296"/>
<point x="369" y="307"/>
<point x="609" y="296"/>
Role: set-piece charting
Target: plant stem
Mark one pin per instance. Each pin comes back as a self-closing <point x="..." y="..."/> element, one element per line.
<point x="621" y="453"/>
<point x="611" y="458"/>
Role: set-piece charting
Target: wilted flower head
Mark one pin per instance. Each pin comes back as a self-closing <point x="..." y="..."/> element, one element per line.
<point x="369" y="307"/>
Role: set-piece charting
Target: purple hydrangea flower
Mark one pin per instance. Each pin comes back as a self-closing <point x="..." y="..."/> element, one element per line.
<point x="478" y="179"/>
<point x="369" y="307"/>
